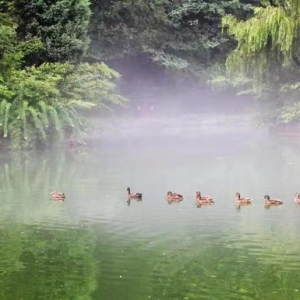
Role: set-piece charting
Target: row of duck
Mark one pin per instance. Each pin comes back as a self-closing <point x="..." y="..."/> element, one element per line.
<point x="201" y="200"/>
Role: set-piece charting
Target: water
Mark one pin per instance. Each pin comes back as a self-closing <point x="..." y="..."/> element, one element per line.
<point x="96" y="246"/>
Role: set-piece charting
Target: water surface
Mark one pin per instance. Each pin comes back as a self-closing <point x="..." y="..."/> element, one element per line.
<point x="96" y="246"/>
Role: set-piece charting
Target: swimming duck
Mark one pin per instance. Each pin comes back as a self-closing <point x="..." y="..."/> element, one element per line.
<point x="173" y="196"/>
<point x="269" y="201"/>
<point x="203" y="199"/>
<point x="297" y="198"/>
<point x="57" y="195"/>
<point x="135" y="195"/>
<point x="239" y="199"/>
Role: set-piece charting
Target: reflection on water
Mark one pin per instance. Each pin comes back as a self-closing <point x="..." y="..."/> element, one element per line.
<point x="99" y="245"/>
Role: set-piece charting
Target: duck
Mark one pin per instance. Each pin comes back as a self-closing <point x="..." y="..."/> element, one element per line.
<point x="203" y="199"/>
<point x="297" y="198"/>
<point x="269" y="201"/>
<point x="173" y="196"/>
<point x="57" y="195"/>
<point x="137" y="196"/>
<point x="241" y="200"/>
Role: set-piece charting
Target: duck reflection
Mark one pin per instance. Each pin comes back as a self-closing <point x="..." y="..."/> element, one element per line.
<point x="135" y="200"/>
<point x="238" y="206"/>
<point x="173" y="201"/>
<point x="199" y="205"/>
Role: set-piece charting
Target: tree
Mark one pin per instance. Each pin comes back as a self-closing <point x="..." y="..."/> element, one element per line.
<point x="182" y="36"/>
<point x="268" y="54"/>
<point x="270" y="36"/>
<point x="40" y="104"/>
<point x="122" y="28"/>
<point x="61" y="25"/>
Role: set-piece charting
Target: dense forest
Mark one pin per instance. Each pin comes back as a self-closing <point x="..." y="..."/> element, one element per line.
<point x="61" y="58"/>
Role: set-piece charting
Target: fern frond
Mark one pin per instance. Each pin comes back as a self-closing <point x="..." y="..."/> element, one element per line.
<point x="37" y="122"/>
<point x="6" y="116"/>
<point x="23" y="115"/>
<point x="66" y="116"/>
<point x="54" y="118"/>
<point x="44" y="113"/>
<point x="81" y="104"/>
<point x="2" y="111"/>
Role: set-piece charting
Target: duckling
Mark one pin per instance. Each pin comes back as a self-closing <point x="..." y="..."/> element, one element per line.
<point x="269" y="201"/>
<point x="242" y="200"/>
<point x="297" y="198"/>
<point x="173" y="196"/>
<point x="203" y="199"/>
<point x="57" y="195"/>
<point x="137" y="196"/>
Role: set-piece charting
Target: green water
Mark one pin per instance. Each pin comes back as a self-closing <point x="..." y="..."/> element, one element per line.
<point x="96" y="246"/>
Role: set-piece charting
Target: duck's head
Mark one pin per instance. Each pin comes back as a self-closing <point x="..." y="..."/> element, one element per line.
<point x="238" y="195"/>
<point x="169" y="193"/>
<point x="198" y="194"/>
<point x="267" y="197"/>
<point x="297" y="195"/>
<point x="128" y="190"/>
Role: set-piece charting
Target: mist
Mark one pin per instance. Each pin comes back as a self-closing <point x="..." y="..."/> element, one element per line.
<point x="149" y="150"/>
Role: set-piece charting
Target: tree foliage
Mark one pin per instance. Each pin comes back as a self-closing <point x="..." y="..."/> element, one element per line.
<point x="60" y="25"/>
<point x="267" y="56"/>
<point x="45" y="86"/>
<point x="179" y="35"/>
<point x="272" y="33"/>
<point x="41" y="104"/>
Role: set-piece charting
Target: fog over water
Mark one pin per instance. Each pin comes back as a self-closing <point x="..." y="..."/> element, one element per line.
<point x="96" y="245"/>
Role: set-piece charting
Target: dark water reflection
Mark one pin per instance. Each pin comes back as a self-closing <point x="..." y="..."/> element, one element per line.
<point x="96" y="246"/>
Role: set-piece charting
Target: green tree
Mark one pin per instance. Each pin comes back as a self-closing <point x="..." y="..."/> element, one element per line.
<point x="122" y="28"/>
<point x="46" y="102"/>
<point x="179" y="35"/>
<point x="61" y="25"/>
<point x="267" y="53"/>
<point x="41" y="104"/>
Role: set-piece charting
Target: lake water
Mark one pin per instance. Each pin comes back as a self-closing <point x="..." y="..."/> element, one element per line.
<point x="96" y="246"/>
